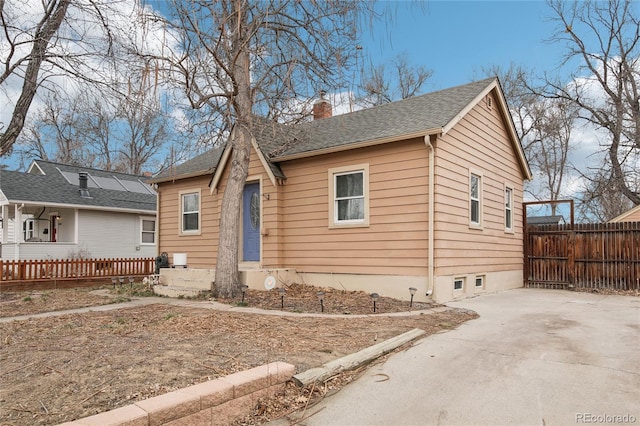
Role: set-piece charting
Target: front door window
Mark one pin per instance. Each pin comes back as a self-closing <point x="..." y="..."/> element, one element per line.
<point x="251" y="222"/>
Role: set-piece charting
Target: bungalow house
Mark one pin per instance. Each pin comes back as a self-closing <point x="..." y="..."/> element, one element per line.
<point x="59" y="211"/>
<point x="425" y="193"/>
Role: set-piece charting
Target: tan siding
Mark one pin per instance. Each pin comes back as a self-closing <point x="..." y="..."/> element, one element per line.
<point x="478" y="142"/>
<point x="295" y="218"/>
<point x="201" y="249"/>
<point x="395" y="242"/>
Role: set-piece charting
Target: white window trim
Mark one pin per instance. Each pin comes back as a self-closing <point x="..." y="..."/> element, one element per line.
<point x="478" y="174"/>
<point x="29" y="229"/>
<point x="142" y="231"/>
<point x="181" y="231"/>
<point x="461" y="289"/>
<point x="336" y="171"/>
<point x="508" y="210"/>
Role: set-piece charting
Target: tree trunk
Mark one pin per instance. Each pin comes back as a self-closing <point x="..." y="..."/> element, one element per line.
<point x="227" y="279"/>
<point x="30" y="84"/>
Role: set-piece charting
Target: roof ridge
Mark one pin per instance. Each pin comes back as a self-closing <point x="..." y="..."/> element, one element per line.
<point x="372" y="109"/>
<point x="53" y="163"/>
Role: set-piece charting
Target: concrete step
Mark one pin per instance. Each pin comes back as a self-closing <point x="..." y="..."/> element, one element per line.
<point x="178" y="291"/>
<point x="186" y="277"/>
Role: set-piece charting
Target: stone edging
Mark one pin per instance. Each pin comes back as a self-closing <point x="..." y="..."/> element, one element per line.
<point x="216" y="402"/>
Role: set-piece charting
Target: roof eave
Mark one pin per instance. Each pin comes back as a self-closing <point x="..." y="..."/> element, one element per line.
<point x="495" y="85"/>
<point x="625" y="214"/>
<point x="363" y="144"/>
<point x="180" y="177"/>
<point x="80" y="206"/>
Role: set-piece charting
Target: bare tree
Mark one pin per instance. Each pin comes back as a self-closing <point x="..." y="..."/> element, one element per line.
<point x="604" y="37"/>
<point x="44" y="44"/>
<point x="381" y="86"/>
<point x="236" y="59"/>
<point x="53" y="14"/>
<point x="53" y="133"/>
<point x="143" y="128"/>
<point x="601" y="201"/>
<point x="124" y="133"/>
<point x="544" y="127"/>
<point x="549" y="147"/>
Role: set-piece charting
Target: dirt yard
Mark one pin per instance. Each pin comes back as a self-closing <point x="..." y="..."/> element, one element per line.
<point x="65" y="367"/>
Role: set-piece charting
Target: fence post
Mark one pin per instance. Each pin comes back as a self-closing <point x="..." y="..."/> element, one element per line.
<point x="571" y="261"/>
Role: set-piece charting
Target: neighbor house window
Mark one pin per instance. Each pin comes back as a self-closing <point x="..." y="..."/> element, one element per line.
<point x="190" y="211"/>
<point x="349" y="202"/>
<point x="508" y="209"/>
<point x="479" y="281"/>
<point x="475" y="199"/>
<point x="28" y="229"/>
<point x="458" y="284"/>
<point x="148" y="231"/>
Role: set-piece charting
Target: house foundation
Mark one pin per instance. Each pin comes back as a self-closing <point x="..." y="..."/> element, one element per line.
<point x="187" y="282"/>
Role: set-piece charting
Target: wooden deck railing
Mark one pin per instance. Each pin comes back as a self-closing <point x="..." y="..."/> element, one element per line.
<point x="47" y="269"/>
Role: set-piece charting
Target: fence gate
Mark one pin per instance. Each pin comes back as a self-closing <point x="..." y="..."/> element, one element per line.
<point x="549" y="260"/>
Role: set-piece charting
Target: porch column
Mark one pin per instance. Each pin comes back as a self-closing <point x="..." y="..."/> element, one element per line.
<point x="5" y="224"/>
<point x="17" y="230"/>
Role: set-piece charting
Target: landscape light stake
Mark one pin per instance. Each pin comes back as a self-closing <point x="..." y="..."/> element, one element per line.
<point x="374" y="297"/>
<point x="113" y="281"/>
<point x="121" y="279"/>
<point x="281" y="290"/>
<point x="244" y="291"/>
<point x="321" y="298"/>
<point x="131" y="282"/>
<point x="412" y="290"/>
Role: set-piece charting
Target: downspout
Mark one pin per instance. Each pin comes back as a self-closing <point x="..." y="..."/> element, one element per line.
<point x="432" y="173"/>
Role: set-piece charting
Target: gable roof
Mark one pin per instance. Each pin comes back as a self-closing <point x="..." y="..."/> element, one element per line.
<point x="545" y="220"/>
<point x="418" y="116"/>
<point x="629" y="215"/>
<point x="58" y="184"/>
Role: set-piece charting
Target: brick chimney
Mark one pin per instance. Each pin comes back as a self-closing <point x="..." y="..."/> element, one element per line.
<point x="322" y="108"/>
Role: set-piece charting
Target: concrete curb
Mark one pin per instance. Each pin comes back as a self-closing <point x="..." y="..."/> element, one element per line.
<point x="350" y="362"/>
<point x="216" y="402"/>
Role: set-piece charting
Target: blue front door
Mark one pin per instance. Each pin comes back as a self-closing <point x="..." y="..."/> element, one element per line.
<point x="251" y="222"/>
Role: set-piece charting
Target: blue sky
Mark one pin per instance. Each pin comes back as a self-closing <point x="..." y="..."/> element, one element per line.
<point x="456" y="39"/>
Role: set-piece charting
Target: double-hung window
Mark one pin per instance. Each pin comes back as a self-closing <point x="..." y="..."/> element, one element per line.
<point x="147" y="231"/>
<point x="190" y="212"/>
<point x="508" y="209"/>
<point x="475" y="199"/>
<point x="348" y="200"/>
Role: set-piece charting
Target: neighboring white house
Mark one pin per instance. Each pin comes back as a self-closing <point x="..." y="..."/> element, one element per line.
<point x="59" y="211"/>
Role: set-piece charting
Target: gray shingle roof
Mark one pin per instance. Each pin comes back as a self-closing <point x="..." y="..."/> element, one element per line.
<point x="277" y="141"/>
<point x="201" y="164"/>
<point x="52" y="187"/>
<point x="426" y="112"/>
<point x="545" y="220"/>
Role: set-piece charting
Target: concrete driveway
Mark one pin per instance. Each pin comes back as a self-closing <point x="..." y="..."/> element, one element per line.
<point x="534" y="357"/>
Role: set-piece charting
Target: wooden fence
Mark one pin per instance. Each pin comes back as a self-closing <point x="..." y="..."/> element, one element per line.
<point x="587" y="255"/>
<point x="49" y="269"/>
